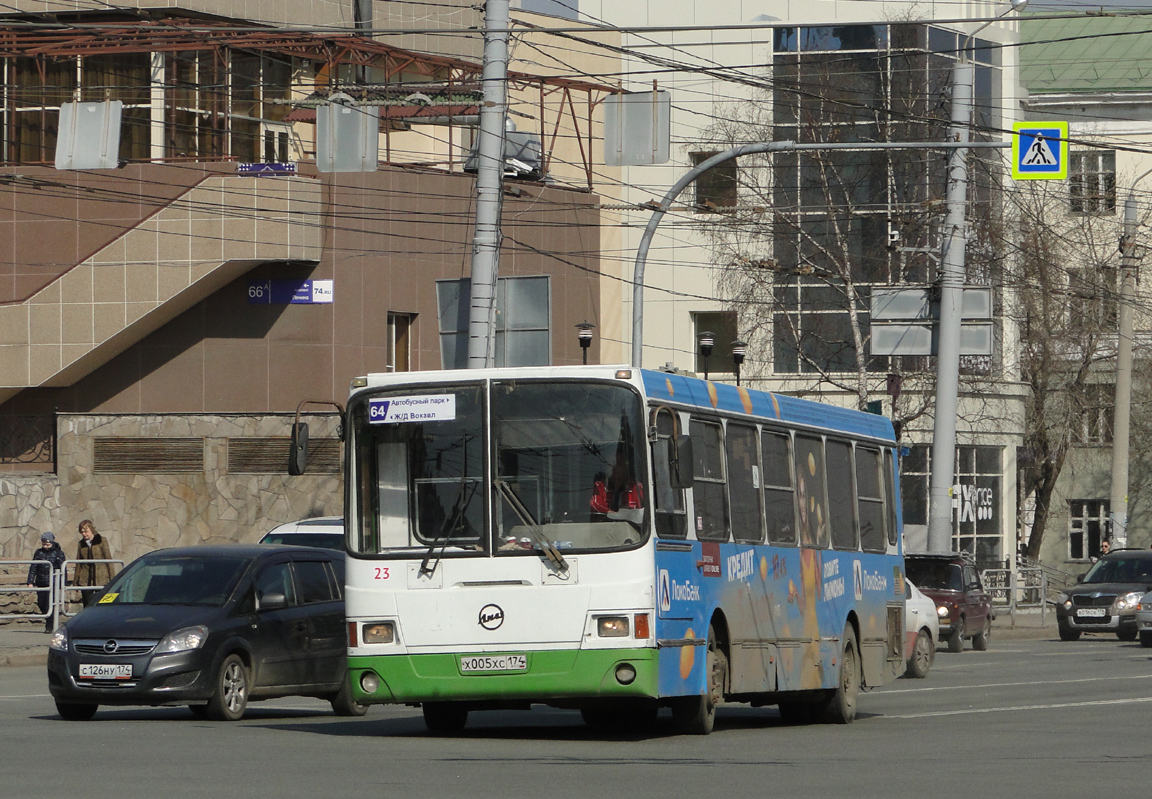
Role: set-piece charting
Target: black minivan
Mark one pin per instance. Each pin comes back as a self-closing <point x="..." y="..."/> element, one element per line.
<point x="210" y="627"/>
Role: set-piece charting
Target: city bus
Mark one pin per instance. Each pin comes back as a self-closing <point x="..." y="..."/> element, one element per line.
<point x="616" y="540"/>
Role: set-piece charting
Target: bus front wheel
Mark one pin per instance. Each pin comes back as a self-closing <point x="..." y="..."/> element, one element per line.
<point x="445" y="716"/>
<point x="696" y="715"/>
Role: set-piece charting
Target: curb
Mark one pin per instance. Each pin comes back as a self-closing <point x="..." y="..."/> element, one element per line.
<point x="24" y="658"/>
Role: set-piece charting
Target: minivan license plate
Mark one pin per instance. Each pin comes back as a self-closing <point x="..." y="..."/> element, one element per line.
<point x="482" y="663"/>
<point x="1096" y="613"/>
<point x="105" y="671"/>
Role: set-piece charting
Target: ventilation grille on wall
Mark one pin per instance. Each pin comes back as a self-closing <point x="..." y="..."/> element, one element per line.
<point x="131" y="455"/>
<point x="270" y="455"/>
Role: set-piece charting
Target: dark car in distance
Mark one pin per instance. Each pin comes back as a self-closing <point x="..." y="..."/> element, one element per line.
<point x="952" y="581"/>
<point x="1106" y="597"/>
<point x="210" y="627"/>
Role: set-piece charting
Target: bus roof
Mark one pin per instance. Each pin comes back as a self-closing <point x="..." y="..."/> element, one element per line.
<point x="677" y="388"/>
<point x="725" y="397"/>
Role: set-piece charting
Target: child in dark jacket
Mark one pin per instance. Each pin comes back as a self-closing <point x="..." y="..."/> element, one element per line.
<point x="47" y="558"/>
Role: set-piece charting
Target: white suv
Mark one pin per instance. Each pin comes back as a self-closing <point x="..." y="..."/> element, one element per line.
<point x="326" y="532"/>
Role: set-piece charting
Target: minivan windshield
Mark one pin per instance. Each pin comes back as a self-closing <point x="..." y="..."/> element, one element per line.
<point x="177" y="580"/>
<point x="1120" y="569"/>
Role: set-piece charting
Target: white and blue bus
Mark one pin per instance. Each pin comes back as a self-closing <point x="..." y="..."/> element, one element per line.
<point x="617" y="540"/>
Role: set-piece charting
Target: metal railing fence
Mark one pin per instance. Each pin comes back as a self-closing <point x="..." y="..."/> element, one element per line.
<point x="13" y="581"/>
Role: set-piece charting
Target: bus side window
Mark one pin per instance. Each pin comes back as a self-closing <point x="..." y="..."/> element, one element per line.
<point x="870" y="500"/>
<point x="890" y="498"/>
<point x="841" y="502"/>
<point x="671" y="517"/>
<point x="810" y="492"/>
<point x="744" y="483"/>
<point x="779" y="494"/>
<point x="708" y="494"/>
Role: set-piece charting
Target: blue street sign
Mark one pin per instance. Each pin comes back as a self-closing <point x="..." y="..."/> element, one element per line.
<point x="1040" y="151"/>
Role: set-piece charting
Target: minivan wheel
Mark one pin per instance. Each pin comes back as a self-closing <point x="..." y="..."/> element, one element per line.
<point x="1068" y="634"/>
<point x="344" y="705"/>
<point x="1126" y="634"/>
<point x="230" y="699"/>
<point x="75" y="711"/>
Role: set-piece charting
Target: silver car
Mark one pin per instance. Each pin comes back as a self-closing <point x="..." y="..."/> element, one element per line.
<point x="1144" y="620"/>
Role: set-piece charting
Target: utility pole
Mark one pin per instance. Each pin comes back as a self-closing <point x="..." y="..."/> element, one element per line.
<point x="951" y="296"/>
<point x="1122" y="413"/>
<point x="489" y="186"/>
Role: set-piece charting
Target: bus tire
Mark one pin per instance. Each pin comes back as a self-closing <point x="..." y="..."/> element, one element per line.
<point x="445" y="717"/>
<point x="841" y="707"/>
<point x="696" y="715"/>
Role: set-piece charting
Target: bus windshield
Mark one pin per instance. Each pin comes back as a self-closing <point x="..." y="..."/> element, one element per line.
<point x="566" y="461"/>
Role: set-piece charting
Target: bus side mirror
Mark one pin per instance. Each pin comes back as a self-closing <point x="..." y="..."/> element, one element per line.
<point x="298" y="458"/>
<point x="680" y="461"/>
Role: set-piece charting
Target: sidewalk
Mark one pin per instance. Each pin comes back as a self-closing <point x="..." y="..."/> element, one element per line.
<point x="24" y="643"/>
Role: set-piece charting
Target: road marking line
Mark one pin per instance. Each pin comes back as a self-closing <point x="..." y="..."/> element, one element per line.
<point x="26" y="696"/>
<point x="1021" y="707"/>
<point x="1012" y="684"/>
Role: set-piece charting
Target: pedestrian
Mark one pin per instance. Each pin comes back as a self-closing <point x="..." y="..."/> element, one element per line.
<point x="92" y="546"/>
<point x="48" y="558"/>
<point x="1105" y="547"/>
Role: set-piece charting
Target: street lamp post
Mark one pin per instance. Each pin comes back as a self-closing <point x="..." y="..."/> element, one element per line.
<point x="584" y="334"/>
<point x="1122" y="413"/>
<point x="705" y="340"/>
<point x="951" y="282"/>
<point x="739" y="350"/>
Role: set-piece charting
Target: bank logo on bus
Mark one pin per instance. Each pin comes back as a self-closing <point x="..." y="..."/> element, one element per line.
<point x="426" y="408"/>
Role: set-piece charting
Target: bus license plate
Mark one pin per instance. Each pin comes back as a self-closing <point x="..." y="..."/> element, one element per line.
<point x="483" y="663"/>
<point x="1096" y="613"/>
<point x="105" y="671"/>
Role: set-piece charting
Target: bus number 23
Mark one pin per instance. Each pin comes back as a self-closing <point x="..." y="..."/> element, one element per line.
<point x="381" y="573"/>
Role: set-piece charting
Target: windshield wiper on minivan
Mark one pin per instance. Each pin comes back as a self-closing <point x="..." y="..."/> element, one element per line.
<point x="534" y="527"/>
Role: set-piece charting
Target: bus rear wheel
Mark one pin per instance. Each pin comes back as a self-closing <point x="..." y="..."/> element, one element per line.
<point x="841" y="707"/>
<point x="445" y="716"/>
<point x="696" y="715"/>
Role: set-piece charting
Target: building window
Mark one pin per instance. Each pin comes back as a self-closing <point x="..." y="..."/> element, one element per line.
<point x="1092" y="182"/>
<point x="722" y="326"/>
<point x="716" y="188"/>
<point x="1087" y="526"/>
<point x="1094" y="415"/>
<point x="523" y="321"/>
<point x="399" y="347"/>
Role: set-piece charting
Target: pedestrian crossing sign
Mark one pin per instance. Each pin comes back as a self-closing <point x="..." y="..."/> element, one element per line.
<point x="1040" y="150"/>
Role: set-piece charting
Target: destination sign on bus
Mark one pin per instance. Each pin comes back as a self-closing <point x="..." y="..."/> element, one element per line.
<point x="427" y="408"/>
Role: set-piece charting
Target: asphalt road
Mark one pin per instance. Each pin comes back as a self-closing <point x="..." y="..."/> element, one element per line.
<point x="1028" y="718"/>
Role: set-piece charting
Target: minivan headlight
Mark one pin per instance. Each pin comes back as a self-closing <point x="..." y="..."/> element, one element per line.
<point x="183" y="640"/>
<point x="59" y="640"/>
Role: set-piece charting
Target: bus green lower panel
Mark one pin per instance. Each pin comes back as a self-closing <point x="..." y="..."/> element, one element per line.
<point x="564" y="674"/>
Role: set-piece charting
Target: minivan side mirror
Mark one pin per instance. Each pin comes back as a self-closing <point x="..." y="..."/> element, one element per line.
<point x="1080" y="577"/>
<point x="272" y="601"/>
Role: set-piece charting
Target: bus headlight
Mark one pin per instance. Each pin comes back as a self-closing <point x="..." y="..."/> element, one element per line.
<point x="612" y="626"/>
<point x="381" y="632"/>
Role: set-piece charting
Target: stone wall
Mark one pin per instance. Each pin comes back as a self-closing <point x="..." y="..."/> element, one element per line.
<point x="143" y="511"/>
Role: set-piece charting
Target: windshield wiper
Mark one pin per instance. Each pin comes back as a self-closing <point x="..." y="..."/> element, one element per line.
<point x="451" y="522"/>
<point x="534" y="527"/>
